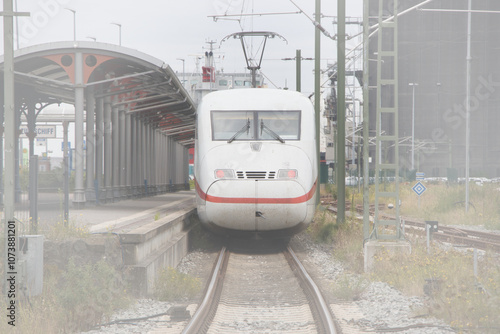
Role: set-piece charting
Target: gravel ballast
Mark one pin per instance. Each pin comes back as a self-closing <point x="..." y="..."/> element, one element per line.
<point x="380" y="308"/>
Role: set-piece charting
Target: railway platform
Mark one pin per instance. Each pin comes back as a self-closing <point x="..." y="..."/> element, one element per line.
<point x="153" y="233"/>
<point x="125" y="216"/>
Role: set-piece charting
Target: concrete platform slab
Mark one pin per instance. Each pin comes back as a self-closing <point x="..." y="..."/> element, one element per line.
<point x="141" y="217"/>
<point x="153" y="233"/>
<point x="50" y="210"/>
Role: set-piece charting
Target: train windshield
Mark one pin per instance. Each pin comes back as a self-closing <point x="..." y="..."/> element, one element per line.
<point x="256" y="125"/>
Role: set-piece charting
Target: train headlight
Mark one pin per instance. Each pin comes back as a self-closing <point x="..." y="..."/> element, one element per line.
<point x="287" y="174"/>
<point x="224" y="174"/>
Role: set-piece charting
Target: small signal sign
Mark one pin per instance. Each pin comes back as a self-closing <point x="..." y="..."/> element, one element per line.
<point x="419" y="188"/>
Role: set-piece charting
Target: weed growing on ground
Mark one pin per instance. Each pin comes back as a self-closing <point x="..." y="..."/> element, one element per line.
<point x="346" y="238"/>
<point x="446" y="204"/>
<point x="90" y="293"/>
<point x="324" y="227"/>
<point x="172" y="285"/>
<point x="445" y="276"/>
<point x="73" y="300"/>
<point x="331" y="189"/>
<point x="63" y="230"/>
<point x="349" y="287"/>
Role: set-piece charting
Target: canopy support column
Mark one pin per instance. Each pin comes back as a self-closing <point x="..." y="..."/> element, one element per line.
<point x="99" y="141"/>
<point x="108" y="168"/>
<point x="115" y="151"/>
<point x="79" y="192"/>
<point x="128" y="157"/>
<point x="122" y="146"/>
<point x="90" y="193"/>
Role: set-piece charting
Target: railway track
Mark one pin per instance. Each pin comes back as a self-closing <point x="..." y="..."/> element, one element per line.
<point x="458" y="236"/>
<point x="257" y="292"/>
<point x="454" y="235"/>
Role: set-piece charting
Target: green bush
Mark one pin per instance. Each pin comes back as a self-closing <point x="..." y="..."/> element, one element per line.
<point x="90" y="293"/>
<point x="332" y="189"/>
<point x="349" y="287"/>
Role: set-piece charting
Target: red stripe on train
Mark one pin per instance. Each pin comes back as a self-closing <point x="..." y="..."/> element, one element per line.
<point x="251" y="200"/>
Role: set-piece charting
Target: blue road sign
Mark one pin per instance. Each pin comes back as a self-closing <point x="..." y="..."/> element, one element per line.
<point x="419" y="188"/>
<point x="420" y="175"/>
<point x="62" y="145"/>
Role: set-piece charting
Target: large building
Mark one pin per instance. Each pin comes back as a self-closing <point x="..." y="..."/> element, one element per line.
<point x="432" y="56"/>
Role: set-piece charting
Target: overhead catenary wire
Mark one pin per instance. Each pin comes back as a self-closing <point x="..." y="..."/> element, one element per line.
<point x="316" y="23"/>
<point x="375" y="26"/>
<point x="265" y="76"/>
<point x="226" y="16"/>
<point x="319" y="26"/>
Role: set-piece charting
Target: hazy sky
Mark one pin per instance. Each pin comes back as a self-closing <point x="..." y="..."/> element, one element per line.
<point x="170" y="29"/>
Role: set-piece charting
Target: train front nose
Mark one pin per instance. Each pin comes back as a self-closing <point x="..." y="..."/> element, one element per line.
<point x="256" y="205"/>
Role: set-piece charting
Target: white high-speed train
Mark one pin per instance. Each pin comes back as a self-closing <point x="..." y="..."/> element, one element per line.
<point x="255" y="162"/>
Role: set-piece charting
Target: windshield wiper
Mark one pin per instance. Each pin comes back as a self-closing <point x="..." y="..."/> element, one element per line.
<point x="246" y="127"/>
<point x="269" y="131"/>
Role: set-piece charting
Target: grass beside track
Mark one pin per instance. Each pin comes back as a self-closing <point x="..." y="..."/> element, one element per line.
<point x="441" y="201"/>
<point x="445" y="275"/>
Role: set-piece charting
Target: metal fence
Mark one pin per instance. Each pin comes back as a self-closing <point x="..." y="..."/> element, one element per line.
<point x="38" y="191"/>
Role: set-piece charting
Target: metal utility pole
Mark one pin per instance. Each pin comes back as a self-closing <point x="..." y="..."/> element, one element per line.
<point x="119" y="32"/>
<point x="366" y="121"/>
<point x="298" y="68"/>
<point x="10" y="137"/>
<point x="9" y="110"/>
<point x="387" y="106"/>
<point x="183" y="71"/>
<point x="467" y="93"/>
<point x="340" y="163"/>
<point x="467" y="106"/>
<point x="74" y="22"/>
<point x="298" y="61"/>
<point x="317" y="89"/>
<point x="10" y="126"/>
<point x="413" y="84"/>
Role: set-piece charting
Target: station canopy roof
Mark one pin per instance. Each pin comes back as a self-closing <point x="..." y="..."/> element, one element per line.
<point x="137" y="83"/>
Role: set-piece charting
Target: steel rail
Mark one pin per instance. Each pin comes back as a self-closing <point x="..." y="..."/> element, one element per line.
<point x="465" y="237"/>
<point x="462" y="236"/>
<point x="209" y="303"/>
<point x="318" y="302"/>
<point x="458" y="240"/>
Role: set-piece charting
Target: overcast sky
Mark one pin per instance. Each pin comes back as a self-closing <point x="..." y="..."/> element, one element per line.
<point x="173" y="29"/>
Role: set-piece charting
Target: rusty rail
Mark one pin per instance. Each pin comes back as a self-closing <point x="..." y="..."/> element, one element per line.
<point x="319" y="308"/>
<point x="455" y="235"/>
<point x="206" y="310"/>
